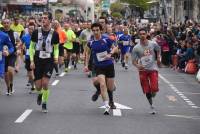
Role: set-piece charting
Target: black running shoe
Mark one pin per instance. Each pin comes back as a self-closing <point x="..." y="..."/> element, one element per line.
<point x="95" y="96"/>
<point x="44" y="108"/>
<point x="39" y="99"/>
<point x="112" y="105"/>
<point x="123" y="64"/>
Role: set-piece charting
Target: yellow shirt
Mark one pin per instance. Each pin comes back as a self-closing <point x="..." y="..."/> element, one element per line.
<point x="17" y="28"/>
<point x="70" y="38"/>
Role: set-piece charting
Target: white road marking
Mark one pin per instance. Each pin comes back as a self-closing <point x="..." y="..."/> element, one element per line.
<point x="181" y="94"/>
<point x="117" y="112"/>
<point x="24" y="116"/>
<point x="55" y="82"/>
<point x="119" y="106"/>
<point x="62" y="74"/>
<point x="184" y="116"/>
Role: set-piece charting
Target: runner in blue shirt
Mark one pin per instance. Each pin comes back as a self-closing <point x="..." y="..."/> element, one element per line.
<point x="6" y="48"/>
<point x="102" y="49"/>
<point x="125" y="43"/>
<point x="26" y="40"/>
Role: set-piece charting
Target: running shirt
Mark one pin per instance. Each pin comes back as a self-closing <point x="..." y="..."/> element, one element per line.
<point x="17" y="28"/>
<point x="26" y="39"/>
<point x="146" y="55"/>
<point x="48" y="48"/>
<point x="100" y="48"/>
<point x="124" y="43"/>
<point x="4" y="41"/>
<point x="70" y="38"/>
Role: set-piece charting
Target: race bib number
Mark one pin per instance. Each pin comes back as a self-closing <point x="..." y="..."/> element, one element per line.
<point x="125" y="43"/>
<point x="27" y="52"/>
<point x="101" y="56"/>
<point x="1" y="56"/>
<point x="44" y="55"/>
<point x="146" y="60"/>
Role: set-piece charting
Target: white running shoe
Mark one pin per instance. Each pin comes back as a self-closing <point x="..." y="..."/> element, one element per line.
<point x="152" y="110"/>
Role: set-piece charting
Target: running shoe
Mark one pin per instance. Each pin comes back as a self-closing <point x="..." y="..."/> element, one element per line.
<point x="112" y="105"/>
<point x="44" y="108"/>
<point x="152" y="110"/>
<point x="95" y="96"/>
<point x="107" y="109"/>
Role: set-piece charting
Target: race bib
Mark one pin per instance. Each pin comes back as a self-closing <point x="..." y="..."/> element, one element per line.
<point x="101" y="56"/>
<point x="146" y="60"/>
<point x="44" y="55"/>
<point x="27" y="52"/>
<point x="125" y="43"/>
<point x="0" y="56"/>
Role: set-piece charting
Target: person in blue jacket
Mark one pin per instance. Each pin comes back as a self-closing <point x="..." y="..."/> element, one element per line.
<point x="6" y="48"/>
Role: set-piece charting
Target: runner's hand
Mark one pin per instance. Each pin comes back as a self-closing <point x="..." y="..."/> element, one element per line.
<point x="140" y="67"/>
<point x="32" y="65"/>
<point x="5" y="53"/>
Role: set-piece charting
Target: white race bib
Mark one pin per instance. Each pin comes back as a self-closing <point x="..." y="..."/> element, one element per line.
<point x="0" y="56"/>
<point x="101" y="56"/>
<point x="125" y="43"/>
<point x="27" y="52"/>
<point x="146" y="60"/>
<point x="44" y="55"/>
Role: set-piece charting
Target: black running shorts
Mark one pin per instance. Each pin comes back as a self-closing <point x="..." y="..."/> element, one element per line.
<point x="43" y="68"/>
<point x="108" y="71"/>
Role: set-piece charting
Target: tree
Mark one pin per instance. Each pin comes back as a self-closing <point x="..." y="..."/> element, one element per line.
<point x="140" y="3"/>
<point x="116" y="7"/>
<point x="116" y="15"/>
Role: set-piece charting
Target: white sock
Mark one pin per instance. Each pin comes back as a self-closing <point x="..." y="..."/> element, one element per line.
<point x="106" y="103"/>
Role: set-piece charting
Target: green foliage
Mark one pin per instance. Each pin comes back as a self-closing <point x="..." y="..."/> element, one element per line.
<point x="116" y="15"/>
<point x="116" y="7"/>
<point x="141" y="3"/>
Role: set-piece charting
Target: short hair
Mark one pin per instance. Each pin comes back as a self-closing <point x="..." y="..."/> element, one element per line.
<point x="97" y="25"/>
<point x="142" y="29"/>
<point x="101" y="17"/>
<point x="49" y="14"/>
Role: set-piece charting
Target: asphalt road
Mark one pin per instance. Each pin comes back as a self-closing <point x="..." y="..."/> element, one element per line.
<point x="71" y="110"/>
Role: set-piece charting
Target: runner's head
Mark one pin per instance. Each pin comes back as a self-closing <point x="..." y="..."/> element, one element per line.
<point x="46" y="19"/>
<point x="6" y="24"/>
<point x="96" y="29"/>
<point x="142" y="34"/>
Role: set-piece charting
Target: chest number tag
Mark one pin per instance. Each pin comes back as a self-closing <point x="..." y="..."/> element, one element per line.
<point x="44" y="55"/>
<point x="125" y="43"/>
<point x="101" y="56"/>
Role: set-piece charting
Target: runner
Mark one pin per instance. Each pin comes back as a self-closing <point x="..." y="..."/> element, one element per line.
<point x="26" y="39"/>
<point x="6" y="48"/>
<point x="101" y="53"/>
<point x="143" y="58"/>
<point x="44" y="52"/>
<point x="125" y="43"/>
<point x="68" y="46"/>
<point x="10" y="61"/>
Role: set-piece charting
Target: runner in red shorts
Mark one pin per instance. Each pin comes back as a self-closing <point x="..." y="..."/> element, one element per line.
<point x="144" y="58"/>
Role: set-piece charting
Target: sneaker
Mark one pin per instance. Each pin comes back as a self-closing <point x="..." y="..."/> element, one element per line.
<point x="126" y="66"/>
<point x="112" y="105"/>
<point x="7" y="93"/>
<point x="123" y="64"/>
<point x="66" y="70"/>
<point x="95" y="96"/>
<point x="44" y="108"/>
<point x="152" y="110"/>
<point x="107" y="109"/>
<point x="39" y="99"/>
